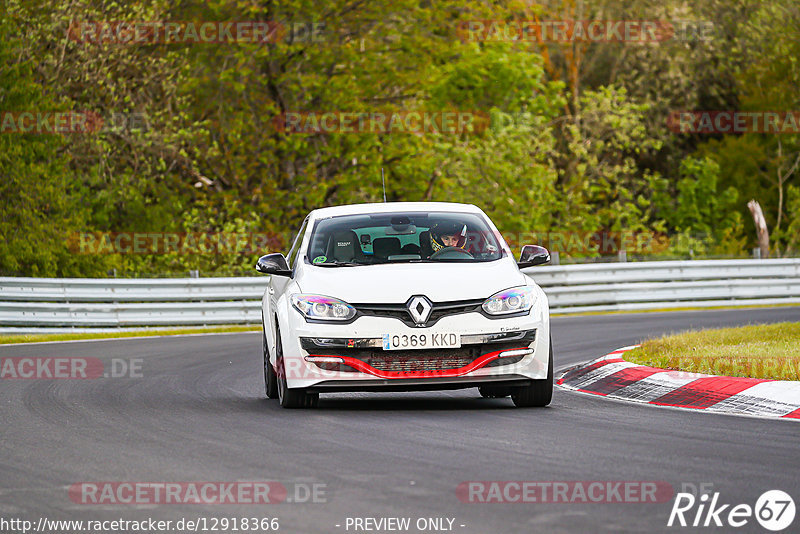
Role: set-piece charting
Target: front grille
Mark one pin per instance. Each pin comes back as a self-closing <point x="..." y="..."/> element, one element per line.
<point x="407" y="361"/>
<point x="438" y="310"/>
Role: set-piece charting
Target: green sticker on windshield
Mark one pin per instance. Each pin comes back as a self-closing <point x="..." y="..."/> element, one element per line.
<point x="320" y="259"/>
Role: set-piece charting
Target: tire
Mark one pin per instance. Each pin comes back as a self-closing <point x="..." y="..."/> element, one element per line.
<point x="494" y="392"/>
<point x="290" y="397"/>
<point x="539" y="393"/>
<point x="270" y="378"/>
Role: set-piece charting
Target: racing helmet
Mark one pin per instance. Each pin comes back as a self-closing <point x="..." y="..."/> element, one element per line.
<point x="451" y="229"/>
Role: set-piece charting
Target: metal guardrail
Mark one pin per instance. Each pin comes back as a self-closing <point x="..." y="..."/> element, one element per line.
<point x="669" y="284"/>
<point x="52" y="304"/>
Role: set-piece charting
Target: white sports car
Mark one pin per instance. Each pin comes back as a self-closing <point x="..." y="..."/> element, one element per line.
<point x="404" y="296"/>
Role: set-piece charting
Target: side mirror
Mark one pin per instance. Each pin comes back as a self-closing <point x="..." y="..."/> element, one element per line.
<point x="533" y="255"/>
<point x="274" y="264"/>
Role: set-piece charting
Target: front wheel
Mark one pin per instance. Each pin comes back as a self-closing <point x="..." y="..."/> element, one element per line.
<point x="539" y="393"/>
<point x="290" y="397"/>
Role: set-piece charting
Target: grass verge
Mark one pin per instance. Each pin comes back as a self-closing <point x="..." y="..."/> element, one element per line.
<point x="757" y="351"/>
<point x="34" y="338"/>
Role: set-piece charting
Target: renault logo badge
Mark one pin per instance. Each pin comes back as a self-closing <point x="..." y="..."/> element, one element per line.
<point x="420" y="309"/>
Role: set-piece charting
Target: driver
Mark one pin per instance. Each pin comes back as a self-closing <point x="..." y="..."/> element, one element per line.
<point x="448" y="234"/>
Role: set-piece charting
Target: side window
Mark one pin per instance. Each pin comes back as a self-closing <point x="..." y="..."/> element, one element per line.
<point x="296" y="244"/>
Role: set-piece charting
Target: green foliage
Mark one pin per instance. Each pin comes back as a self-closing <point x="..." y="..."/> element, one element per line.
<point x="36" y="192"/>
<point x="577" y="138"/>
<point x="704" y="218"/>
<point x="597" y="165"/>
<point x="762" y="166"/>
<point x="792" y="231"/>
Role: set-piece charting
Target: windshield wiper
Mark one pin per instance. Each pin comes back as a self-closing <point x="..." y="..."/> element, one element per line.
<point x="338" y="264"/>
<point x="410" y="260"/>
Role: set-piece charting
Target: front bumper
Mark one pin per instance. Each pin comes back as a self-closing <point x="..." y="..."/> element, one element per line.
<point x="331" y="357"/>
<point x="366" y="355"/>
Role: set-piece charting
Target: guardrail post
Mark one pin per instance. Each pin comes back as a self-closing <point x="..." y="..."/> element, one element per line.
<point x="622" y="256"/>
<point x="554" y="259"/>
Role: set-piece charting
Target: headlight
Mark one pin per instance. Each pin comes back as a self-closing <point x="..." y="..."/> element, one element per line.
<point x="323" y="308"/>
<point x="514" y="300"/>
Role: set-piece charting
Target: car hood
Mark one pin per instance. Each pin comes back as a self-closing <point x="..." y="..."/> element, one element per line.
<point x="396" y="283"/>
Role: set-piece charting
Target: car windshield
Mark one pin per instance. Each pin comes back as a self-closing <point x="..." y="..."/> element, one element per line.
<point x="402" y="237"/>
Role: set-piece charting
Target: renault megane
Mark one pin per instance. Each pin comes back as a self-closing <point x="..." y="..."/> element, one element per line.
<point x="403" y="297"/>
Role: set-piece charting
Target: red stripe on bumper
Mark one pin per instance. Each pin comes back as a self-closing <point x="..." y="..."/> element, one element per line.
<point x="460" y="371"/>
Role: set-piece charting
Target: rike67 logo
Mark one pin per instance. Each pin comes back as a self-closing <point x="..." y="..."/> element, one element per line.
<point x="774" y="510"/>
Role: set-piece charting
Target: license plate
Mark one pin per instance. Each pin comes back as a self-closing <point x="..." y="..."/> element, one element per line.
<point x="421" y="341"/>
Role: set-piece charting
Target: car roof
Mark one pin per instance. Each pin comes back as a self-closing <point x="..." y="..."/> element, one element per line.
<point x="390" y="207"/>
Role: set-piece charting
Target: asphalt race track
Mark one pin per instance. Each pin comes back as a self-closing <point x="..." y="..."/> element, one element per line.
<point x="198" y="413"/>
